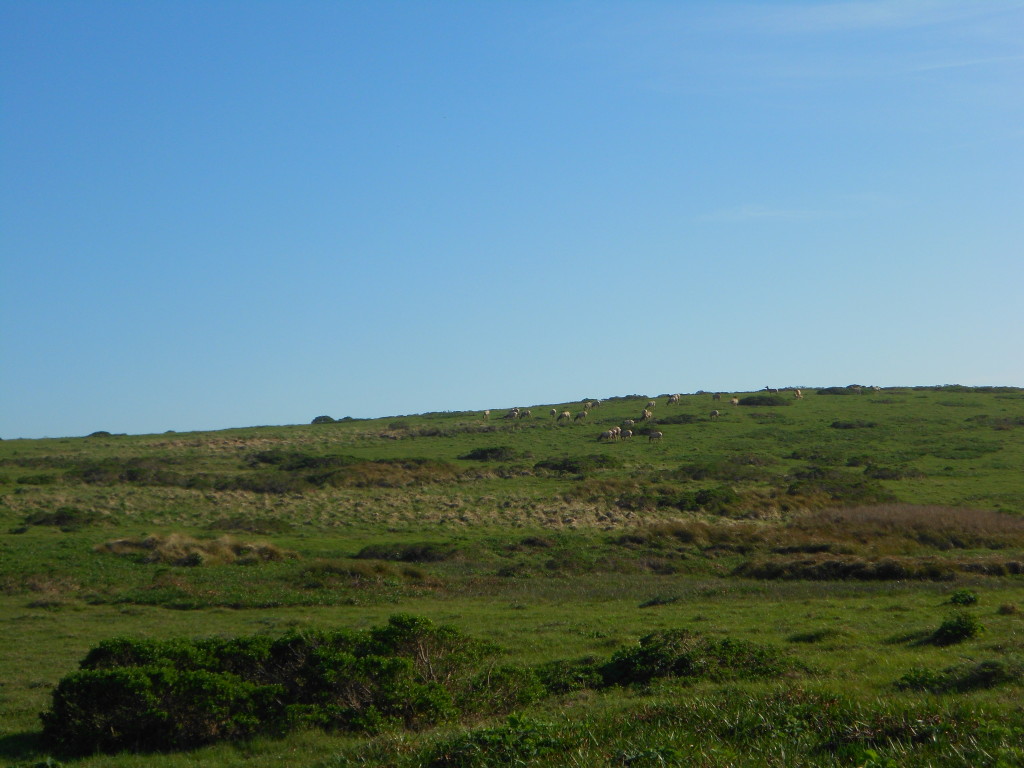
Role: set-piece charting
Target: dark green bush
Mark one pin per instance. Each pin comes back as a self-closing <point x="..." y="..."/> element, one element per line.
<point x="519" y="742"/>
<point x="502" y="689"/>
<point x="962" y="678"/>
<point x="424" y="552"/>
<point x="154" y="695"/>
<point x="322" y="420"/>
<point x="838" y="486"/>
<point x="496" y="453"/>
<point x="565" y="676"/>
<point x="956" y="629"/>
<point x="772" y="400"/>
<point x="679" y="653"/>
<point x="65" y="518"/>
<point x="963" y="597"/>
<point x="851" y="390"/>
<point x="578" y="465"/>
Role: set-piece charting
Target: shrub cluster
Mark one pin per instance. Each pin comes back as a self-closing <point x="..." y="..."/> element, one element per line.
<point x="145" y="695"/>
<point x="153" y="695"/>
<point x="680" y="653"/>
<point x="578" y="465"/>
<point x="178" y="549"/>
<point x="495" y="453"/>
<point x="962" y="677"/>
<point x="839" y="568"/>
<point x="765" y="400"/>
<point x="425" y="552"/>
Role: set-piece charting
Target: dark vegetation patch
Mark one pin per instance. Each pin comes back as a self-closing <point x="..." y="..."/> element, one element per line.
<point x="335" y="574"/>
<point x="853" y="389"/>
<point x="735" y="469"/>
<point x="636" y="495"/>
<point x="816" y="635"/>
<point x="876" y="472"/>
<point x="847" y="543"/>
<point x="424" y="552"/>
<point x="579" y="465"/>
<point x="680" y="418"/>
<point x="680" y="653"/>
<point x="495" y="453"/>
<point x="273" y="472"/>
<point x="247" y="524"/>
<point x="518" y="742"/>
<point x="998" y="422"/>
<point x="68" y="519"/>
<point x="838" y="485"/>
<point x="963" y="678"/>
<point x="957" y="628"/>
<point x="765" y="400"/>
<point x="854" y="424"/>
<point x="842" y="568"/>
<point x="178" y="549"/>
<point x="146" y="695"/>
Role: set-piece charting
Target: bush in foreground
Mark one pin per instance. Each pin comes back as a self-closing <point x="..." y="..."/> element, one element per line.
<point x="157" y="695"/>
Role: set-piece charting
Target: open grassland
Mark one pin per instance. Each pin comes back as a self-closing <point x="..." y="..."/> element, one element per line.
<point x="872" y="542"/>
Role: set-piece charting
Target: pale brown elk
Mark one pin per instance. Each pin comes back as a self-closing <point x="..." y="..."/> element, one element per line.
<point x="652" y="436"/>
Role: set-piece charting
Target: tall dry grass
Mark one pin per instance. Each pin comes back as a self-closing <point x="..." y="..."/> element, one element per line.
<point x="179" y="549"/>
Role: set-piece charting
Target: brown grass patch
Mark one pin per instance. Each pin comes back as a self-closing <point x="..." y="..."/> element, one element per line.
<point x="178" y="549"/>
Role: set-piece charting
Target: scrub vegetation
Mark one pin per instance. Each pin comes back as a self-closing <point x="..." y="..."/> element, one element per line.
<point x="833" y="582"/>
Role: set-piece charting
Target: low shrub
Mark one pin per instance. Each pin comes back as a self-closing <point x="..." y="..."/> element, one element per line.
<point x="680" y="653"/>
<point x="178" y="549"/>
<point x="322" y="420"/>
<point x="957" y="628"/>
<point x="963" y="597"/>
<point x="518" y="742"/>
<point x="248" y="524"/>
<point x="68" y="519"/>
<point x="424" y="552"/>
<point x="837" y="485"/>
<point x="560" y="677"/>
<point x="841" y="568"/>
<point x="855" y="424"/>
<point x="578" y="465"/>
<point x="145" y="695"/>
<point x="496" y="453"/>
<point x="768" y="400"/>
<point x="963" y="677"/>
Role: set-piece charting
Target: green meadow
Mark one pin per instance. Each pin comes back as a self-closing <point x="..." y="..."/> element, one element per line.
<point x="830" y="580"/>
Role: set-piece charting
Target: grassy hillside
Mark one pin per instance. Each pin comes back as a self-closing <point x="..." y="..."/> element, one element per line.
<point x="842" y="529"/>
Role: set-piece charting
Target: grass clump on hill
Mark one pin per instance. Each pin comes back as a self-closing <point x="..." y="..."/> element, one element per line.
<point x="178" y="549"/>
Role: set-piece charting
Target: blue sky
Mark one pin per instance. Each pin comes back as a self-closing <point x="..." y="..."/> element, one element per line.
<point x="225" y="214"/>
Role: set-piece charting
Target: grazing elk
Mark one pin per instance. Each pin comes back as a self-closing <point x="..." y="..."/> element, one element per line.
<point x="734" y="400"/>
<point x="652" y="436"/>
<point x="673" y="399"/>
<point x="564" y="415"/>
<point x="714" y="415"/>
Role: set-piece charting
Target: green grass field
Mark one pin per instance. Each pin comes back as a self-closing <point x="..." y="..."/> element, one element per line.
<point x="841" y="531"/>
